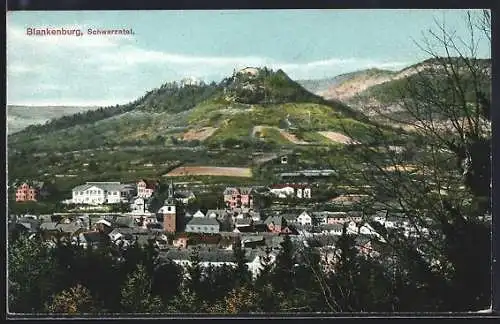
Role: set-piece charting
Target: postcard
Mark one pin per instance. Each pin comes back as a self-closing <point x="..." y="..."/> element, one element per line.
<point x="248" y="162"/>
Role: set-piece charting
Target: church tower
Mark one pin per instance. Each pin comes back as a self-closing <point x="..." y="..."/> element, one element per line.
<point x="169" y="211"/>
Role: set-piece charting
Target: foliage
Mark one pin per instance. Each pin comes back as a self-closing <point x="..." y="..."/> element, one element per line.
<point x="136" y="294"/>
<point x="238" y="301"/>
<point x="32" y="275"/>
<point x="72" y="301"/>
<point x="173" y="97"/>
<point x="283" y="272"/>
<point x="448" y="190"/>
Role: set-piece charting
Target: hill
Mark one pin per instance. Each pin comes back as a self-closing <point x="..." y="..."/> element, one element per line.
<point x="375" y="92"/>
<point x="350" y="84"/>
<point x="318" y="86"/>
<point x="383" y="96"/>
<point x="20" y="117"/>
<point x="223" y="113"/>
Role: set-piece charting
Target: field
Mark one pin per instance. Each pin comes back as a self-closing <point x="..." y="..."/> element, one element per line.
<point x="200" y="134"/>
<point x="338" y="138"/>
<point x="210" y="171"/>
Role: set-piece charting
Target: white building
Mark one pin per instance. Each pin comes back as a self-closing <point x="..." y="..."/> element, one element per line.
<point x="303" y="192"/>
<point x="98" y="193"/>
<point x="304" y="219"/>
<point x="300" y="191"/>
<point x="139" y="206"/>
<point x="283" y="192"/>
<point x="220" y="258"/>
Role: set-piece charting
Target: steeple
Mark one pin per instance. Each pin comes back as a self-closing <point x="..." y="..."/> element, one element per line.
<point x="171" y="189"/>
<point x="170" y="194"/>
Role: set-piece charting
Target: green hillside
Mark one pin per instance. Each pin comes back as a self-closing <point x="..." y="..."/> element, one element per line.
<point x="234" y="107"/>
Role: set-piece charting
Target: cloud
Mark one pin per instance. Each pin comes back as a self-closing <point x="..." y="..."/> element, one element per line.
<point x="114" y="69"/>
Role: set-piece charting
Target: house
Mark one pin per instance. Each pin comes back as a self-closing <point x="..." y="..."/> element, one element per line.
<point x="91" y="239"/>
<point x="282" y="191"/>
<point x="355" y="216"/>
<point x="252" y="241"/>
<point x="161" y="242"/>
<point x="103" y="225"/>
<point x="255" y="216"/>
<point x="146" y="221"/>
<point x="278" y="224"/>
<point x="301" y="191"/>
<point x="203" y="225"/>
<point x="180" y="242"/>
<point x="28" y="224"/>
<point x="260" y="227"/>
<point x="216" y="213"/>
<point x="31" y="191"/>
<point x="199" y="214"/>
<point x="49" y="226"/>
<point x="333" y="229"/>
<point x="391" y="220"/>
<point x="184" y="196"/>
<point x="245" y="229"/>
<point x="123" y="221"/>
<point x="337" y="218"/>
<point x="304" y="219"/>
<point x="361" y="229"/>
<point x="98" y="193"/>
<point x="243" y="222"/>
<point x="275" y="223"/>
<point x="308" y="174"/>
<point x="238" y="197"/>
<point x="365" y="246"/>
<point x="207" y="257"/>
<point x="121" y="236"/>
<point x="70" y="229"/>
<point x="146" y="188"/>
<point x="139" y="205"/>
<point x="217" y="257"/>
<point x="320" y="218"/>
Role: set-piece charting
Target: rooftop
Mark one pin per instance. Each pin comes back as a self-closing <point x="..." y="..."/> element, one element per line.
<point x="203" y="221"/>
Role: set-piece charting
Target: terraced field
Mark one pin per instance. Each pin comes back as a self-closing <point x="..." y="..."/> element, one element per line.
<point x="210" y="171"/>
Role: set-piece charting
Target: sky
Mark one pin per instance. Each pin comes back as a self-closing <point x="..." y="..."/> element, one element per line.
<point x="168" y="46"/>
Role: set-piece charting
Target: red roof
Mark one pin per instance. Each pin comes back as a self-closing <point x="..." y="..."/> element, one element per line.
<point x="150" y="184"/>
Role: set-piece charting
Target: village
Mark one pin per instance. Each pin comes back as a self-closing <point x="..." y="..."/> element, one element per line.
<point x="175" y="229"/>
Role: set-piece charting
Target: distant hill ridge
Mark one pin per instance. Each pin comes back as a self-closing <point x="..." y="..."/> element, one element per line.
<point x="357" y="82"/>
<point x="19" y="117"/>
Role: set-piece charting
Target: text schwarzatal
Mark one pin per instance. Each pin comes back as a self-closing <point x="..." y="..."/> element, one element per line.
<point x="30" y="31"/>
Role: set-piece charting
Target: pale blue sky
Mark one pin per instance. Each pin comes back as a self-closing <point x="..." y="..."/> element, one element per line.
<point x="171" y="45"/>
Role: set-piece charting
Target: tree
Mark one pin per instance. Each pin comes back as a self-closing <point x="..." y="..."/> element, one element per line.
<point x="74" y="300"/>
<point x="445" y="194"/>
<point x="238" y="301"/>
<point x="242" y="273"/>
<point x="283" y="272"/>
<point x="187" y="301"/>
<point x="32" y="274"/>
<point x="166" y="281"/>
<point x="194" y="271"/>
<point x="136" y="294"/>
<point x="93" y="167"/>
